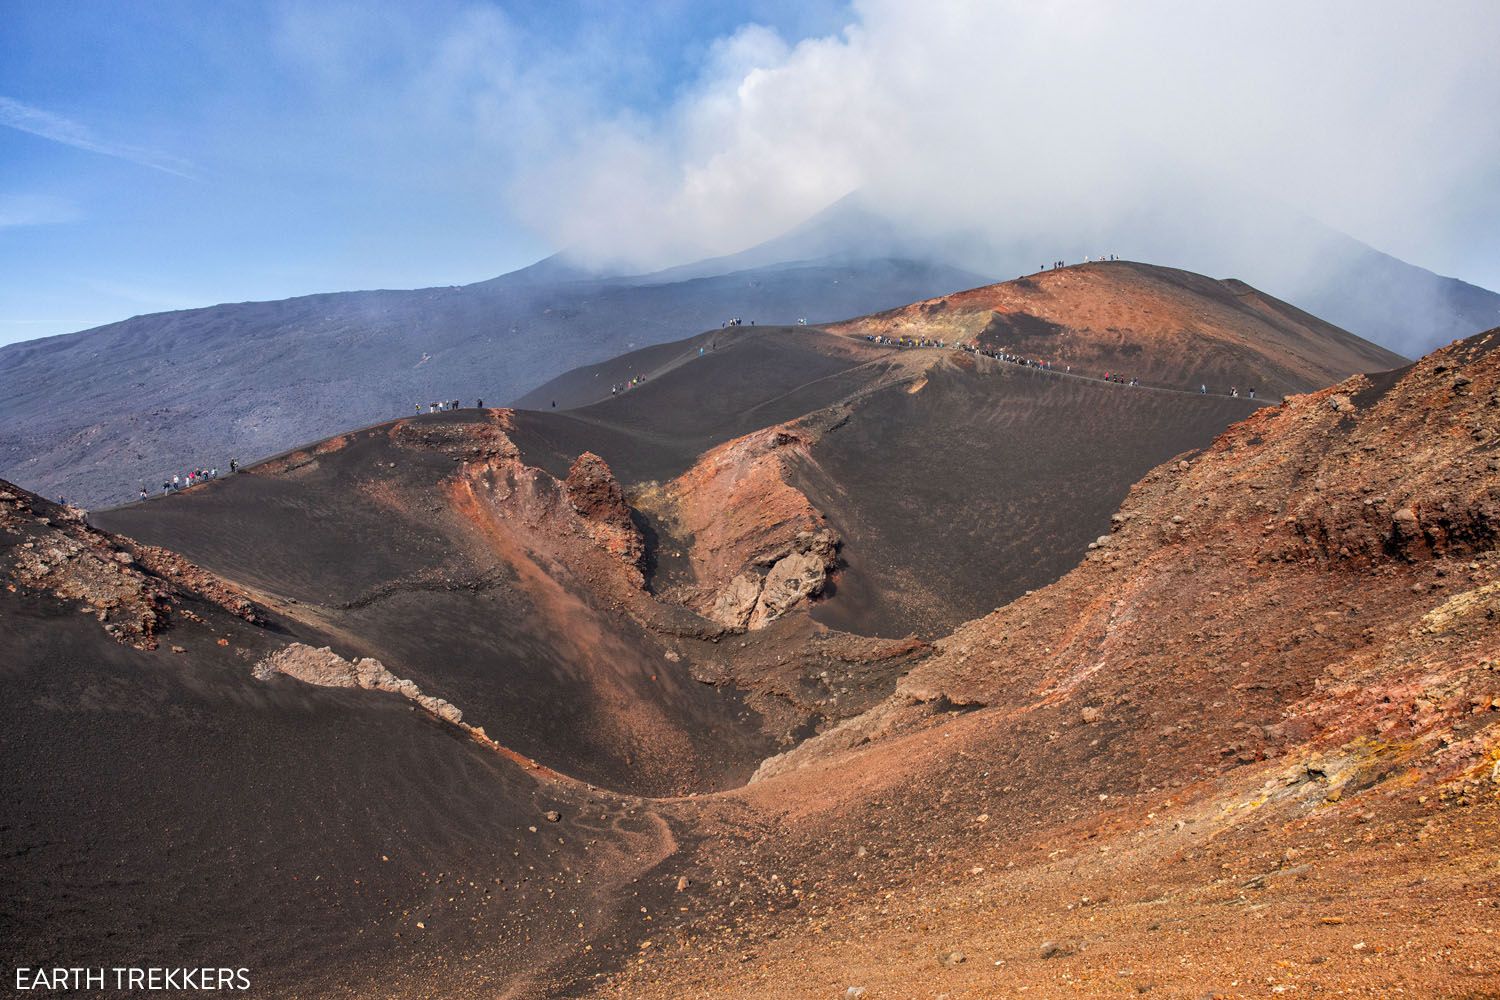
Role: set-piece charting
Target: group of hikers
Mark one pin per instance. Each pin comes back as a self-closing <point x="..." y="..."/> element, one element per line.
<point x="1025" y="362"/>
<point x="631" y="383"/>
<point x="195" y="476"/>
<point x="1016" y="359"/>
<point x="192" y="478"/>
<point x="1008" y="358"/>
<point x="1057" y="264"/>
<point x="876" y="338"/>
<point x="444" y="405"/>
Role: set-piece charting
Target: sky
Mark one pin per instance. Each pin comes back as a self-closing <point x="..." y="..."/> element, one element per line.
<point x="166" y="155"/>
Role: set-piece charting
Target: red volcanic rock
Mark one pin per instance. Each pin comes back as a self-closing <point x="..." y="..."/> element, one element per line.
<point x="1160" y="324"/>
<point x="595" y="493"/>
<point x="756" y="544"/>
<point x="132" y="589"/>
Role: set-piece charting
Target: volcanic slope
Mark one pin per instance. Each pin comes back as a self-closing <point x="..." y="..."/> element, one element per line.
<point x="429" y="544"/>
<point x="1250" y="747"/>
<point x="166" y="794"/>
<point x="561" y="621"/>
<point x="955" y="482"/>
<point x="1159" y="324"/>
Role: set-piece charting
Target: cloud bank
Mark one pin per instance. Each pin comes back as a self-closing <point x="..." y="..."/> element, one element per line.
<point x="1071" y="120"/>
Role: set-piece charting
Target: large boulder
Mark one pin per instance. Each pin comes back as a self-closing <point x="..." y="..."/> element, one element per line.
<point x="752" y="600"/>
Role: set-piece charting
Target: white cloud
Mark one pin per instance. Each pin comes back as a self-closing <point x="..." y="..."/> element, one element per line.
<point x="1042" y="119"/>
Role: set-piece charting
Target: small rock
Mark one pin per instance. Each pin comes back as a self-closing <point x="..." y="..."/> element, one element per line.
<point x="178" y="649"/>
<point x="1092" y="714"/>
<point x="553" y="815"/>
<point x="1055" y="949"/>
<point x="854" y="993"/>
<point x="954" y="958"/>
<point x="683" y="882"/>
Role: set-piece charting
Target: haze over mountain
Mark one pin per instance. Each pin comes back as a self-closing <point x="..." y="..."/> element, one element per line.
<point x="1223" y="232"/>
<point x="158" y="394"/>
<point x="849" y="655"/>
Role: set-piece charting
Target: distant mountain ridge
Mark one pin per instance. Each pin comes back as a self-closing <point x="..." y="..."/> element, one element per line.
<point x="93" y="416"/>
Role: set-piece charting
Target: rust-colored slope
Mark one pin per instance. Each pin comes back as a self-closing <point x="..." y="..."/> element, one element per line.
<point x="1164" y="326"/>
<point x="428" y="544"/>
<point x="1250" y="746"/>
<point x="755" y="546"/>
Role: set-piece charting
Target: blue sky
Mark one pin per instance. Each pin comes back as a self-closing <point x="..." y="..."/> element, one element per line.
<point x="170" y="154"/>
<point x="161" y="155"/>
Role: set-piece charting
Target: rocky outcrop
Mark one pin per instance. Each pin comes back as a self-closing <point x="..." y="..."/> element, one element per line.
<point x="325" y="668"/>
<point x="595" y="494"/>
<point x="133" y="590"/>
<point x="170" y="565"/>
<point x="796" y="576"/>
<point x="467" y="441"/>
<point x="755" y="598"/>
<point x="756" y="545"/>
<point x="737" y="601"/>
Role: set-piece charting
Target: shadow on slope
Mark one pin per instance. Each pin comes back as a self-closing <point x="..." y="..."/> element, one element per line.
<point x="988" y="481"/>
